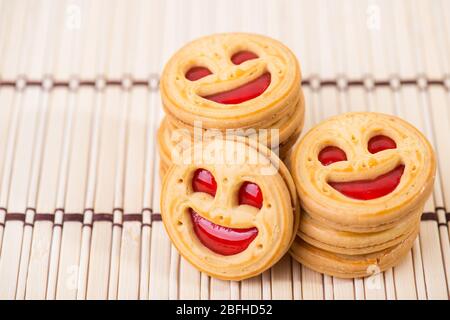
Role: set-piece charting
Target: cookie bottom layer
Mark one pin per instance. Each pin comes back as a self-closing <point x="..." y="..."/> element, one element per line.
<point x="350" y="243"/>
<point x="350" y="266"/>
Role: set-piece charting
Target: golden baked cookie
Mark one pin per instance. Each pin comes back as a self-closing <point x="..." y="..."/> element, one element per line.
<point x="231" y="210"/>
<point x="351" y="243"/>
<point x="172" y="139"/>
<point x="231" y="80"/>
<point x="287" y="125"/>
<point x="351" y="266"/>
<point x="363" y="172"/>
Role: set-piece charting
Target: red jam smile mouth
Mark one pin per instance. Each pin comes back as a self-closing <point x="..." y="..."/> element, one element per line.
<point x="370" y="189"/>
<point x="243" y="93"/>
<point x="222" y="240"/>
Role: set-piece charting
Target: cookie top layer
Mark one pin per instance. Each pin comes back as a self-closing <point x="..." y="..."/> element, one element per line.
<point x="276" y="220"/>
<point x="191" y="100"/>
<point x="363" y="171"/>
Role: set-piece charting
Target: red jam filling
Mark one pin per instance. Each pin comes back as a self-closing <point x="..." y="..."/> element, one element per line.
<point x="380" y="143"/>
<point x="243" y="93"/>
<point x="242" y="56"/>
<point x="331" y="155"/>
<point x="197" y="73"/>
<point x="371" y="189"/>
<point x="203" y="181"/>
<point x="250" y="194"/>
<point x="219" y="239"/>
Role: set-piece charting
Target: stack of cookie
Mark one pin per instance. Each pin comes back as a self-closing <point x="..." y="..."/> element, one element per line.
<point x="231" y="219"/>
<point x="363" y="179"/>
<point x="231" y="84"/>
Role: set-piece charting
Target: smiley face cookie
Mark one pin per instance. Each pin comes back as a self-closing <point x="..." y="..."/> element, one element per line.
<point x="247" y="83"/>
<point x="363" y="179"/>
<point x="232" y="215"/>
<point x="363" y="172"/>
<point x="232" y="80"/>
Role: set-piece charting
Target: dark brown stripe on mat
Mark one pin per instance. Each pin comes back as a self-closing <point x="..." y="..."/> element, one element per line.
<point x="15" y="217"/>
<point x="154" y="77"/>
<point x="381" y="83"/>
<point x="34" y="83"/>
<point x="8" y="83"/>
<point x="447" y="216"/>
<point x="408" y="82"/>
<point x="376" y="83"/>
<point x="132" y="217"/>
<point x="328" y="83"/>
<point x="139" y="82"/>
<point x="434" y="82"/>
<point x="429" y="216"/>
<point x="44" y="217"/>
<point x="73" y="217"/>
<point x="357" y="83"/>
<point x="88" y="83"/>
<point x="113" y="82"/>
<point x="156" y="217"/>
<point x="102" y="217"/>
<point x="61" y="84"/>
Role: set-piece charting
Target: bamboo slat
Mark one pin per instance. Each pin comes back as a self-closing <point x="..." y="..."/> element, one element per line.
<point x="14" y="22"/>
<point x="7" y="125"/>
<point x="36" y="270"/>
<point x="79" y="136"/>
<point x="150" y="173"/>
<point x="281" y="279"/>
<point x="133" y="191"/>
<point x="18" y="192"/>
<point x="101" y="242"/>
<point x="7" y="96"/>
<point x="89" y="198"/>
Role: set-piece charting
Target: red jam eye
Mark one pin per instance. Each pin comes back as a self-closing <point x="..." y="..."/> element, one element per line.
<point x="203" y="181"/>
<point x="197" y="73"/>
<point x="380" y="143"/>
<point x="242" y="56"/>
<point x="250" y="194"/>
<point x="331" y="155"/>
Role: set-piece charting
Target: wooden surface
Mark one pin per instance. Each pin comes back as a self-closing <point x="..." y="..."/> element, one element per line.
<point x="79" y="107"/>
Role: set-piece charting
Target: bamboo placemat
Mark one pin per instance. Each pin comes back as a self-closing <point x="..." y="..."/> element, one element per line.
<point x="79" y="107"/>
